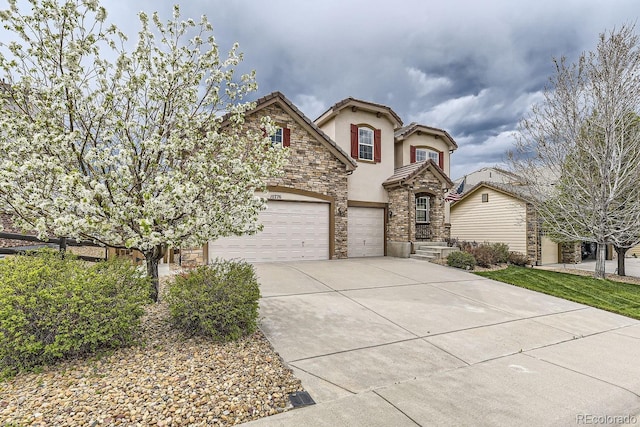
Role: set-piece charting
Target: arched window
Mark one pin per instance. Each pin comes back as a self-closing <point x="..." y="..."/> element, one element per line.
<point x="423" y="154"/>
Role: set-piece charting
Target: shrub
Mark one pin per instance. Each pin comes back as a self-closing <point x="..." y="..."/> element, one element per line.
<point x="219" y="300"/>
<point x="484" y="255"/>
<point x="500" y="252"/>
<point x="52" y="307"/>
<point x="461" y="259"/>
<point x="517" y="258"/>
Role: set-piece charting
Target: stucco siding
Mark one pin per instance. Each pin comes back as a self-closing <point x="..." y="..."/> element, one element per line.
<point x="365" y="184"/>
<point x="425" y="140"/>
<point x="500" y="220"/>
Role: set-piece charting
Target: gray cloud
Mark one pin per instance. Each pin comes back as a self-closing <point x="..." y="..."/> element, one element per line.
<point x="470" y="67"/>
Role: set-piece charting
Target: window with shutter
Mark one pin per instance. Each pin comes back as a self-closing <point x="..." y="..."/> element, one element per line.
<point x="377" y="145"/>
<point x="424" y="154"/>
<point x="281" y="137"/>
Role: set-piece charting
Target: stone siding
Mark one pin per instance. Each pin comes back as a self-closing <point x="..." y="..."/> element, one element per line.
<point x="402" y="203"/>
<point x="571" y="252"/>
<point x="398" y="223"/>
<point x="534" y="241"/>
<point x="428" y="183"/>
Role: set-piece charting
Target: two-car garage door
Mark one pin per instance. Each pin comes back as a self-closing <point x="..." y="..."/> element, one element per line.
<point x="292" y="231"/>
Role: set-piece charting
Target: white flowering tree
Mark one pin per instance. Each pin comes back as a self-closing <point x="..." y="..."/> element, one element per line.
<point x="579" y="149"/>
<point x="141" y="147"/>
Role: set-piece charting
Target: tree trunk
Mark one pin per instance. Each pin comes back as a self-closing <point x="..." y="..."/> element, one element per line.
<point x="63" y="246"/>
<point x="152" y="257"/>
<point x="621" y="251"/>
<point x="601" y="257"/>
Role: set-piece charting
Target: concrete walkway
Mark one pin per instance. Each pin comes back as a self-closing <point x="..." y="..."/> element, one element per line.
<point x="401" y="342"/>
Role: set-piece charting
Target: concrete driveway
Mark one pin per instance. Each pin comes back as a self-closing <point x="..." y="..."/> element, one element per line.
<point x="401" y="342"/>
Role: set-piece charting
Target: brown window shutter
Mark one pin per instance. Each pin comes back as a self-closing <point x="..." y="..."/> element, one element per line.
<point x="286" y="137"/>
<point x="441" y="160"/>
<point x="354" y="141"/>
<point x="413" y="154"/>
<point x="377" y="145"/>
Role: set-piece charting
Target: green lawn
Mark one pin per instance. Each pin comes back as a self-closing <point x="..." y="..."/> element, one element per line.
<point x="617" y="297"/>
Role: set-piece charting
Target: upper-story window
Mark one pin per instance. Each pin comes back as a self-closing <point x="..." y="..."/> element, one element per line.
<point x="365" y="143"/>
<point x="276" y="138"/>
<point x="423" y="154"/>
<point x="281" y="137"/>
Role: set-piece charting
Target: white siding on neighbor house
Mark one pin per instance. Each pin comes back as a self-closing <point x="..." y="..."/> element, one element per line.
<point x="500" y="220"/>
<point x="633" y="251"/>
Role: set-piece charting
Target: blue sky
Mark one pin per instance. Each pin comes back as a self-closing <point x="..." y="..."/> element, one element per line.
<point x="473" y="68"/>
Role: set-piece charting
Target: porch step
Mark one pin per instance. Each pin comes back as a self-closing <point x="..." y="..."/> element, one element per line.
<point x="429" y="243"/>
<point x="427" y="251"/>
<point x="422" y="257"/>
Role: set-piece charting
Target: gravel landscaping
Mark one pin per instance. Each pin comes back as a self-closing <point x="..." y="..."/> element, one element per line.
<point x="169" y="380"/>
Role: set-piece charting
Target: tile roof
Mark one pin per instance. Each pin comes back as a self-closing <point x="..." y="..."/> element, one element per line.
<point x="405" y="131"/>
<point x="407" y="173"/>
<point x="341" y="104"/>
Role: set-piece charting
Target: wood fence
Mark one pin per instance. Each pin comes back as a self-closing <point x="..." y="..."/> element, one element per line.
<point x="60" y="243"/>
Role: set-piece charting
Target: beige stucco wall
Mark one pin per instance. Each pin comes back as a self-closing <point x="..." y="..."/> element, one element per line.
<point x="365" y="184"/>
<point x="423" y="140"/>
<point x="501" y="220"/>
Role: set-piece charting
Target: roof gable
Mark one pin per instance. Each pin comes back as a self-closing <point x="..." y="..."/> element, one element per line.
<point x="407" y="174"/>
<point x="306" y="123"/>
<point x="358" y="104"/>
<point x="415" y="128"/>
<point x="507" y="189"/>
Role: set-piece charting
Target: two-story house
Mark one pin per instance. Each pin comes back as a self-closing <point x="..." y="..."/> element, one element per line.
<point x="357" y="183"/>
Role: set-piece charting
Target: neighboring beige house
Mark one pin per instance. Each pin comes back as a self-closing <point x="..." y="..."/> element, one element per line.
<point x="357" y="184"/>
<point x="488" y="174"/>
<point x="499" y="213"/>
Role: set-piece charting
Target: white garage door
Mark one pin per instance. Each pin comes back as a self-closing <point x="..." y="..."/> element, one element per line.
<point x="366" y="232"/>
<point x="549" y="251"/>
<point x="292" y="231"/>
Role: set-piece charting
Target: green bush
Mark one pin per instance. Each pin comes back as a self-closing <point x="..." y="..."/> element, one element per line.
<point x="461" y="259"/>
<point x="500" y="252"/>
<point x="517" y="258"/>
<point x="484" y="255"/>
<point x="219" y="300"/>
<point x="52" y="307"/>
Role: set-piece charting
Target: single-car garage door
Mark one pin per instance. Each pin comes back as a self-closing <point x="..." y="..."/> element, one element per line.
<point x="366" y="232"/>
<point x="549" y="251"/>
<point x="292" y="231"/>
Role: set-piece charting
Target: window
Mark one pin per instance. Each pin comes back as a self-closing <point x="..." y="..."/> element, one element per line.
<point x="485" y="197"/>
<point x="365" y="144"/>
<point x="276" y="138"/>
<point x="281" y="137"/>
<point x="423" y="154"/>
<point x="422" y="209"/>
